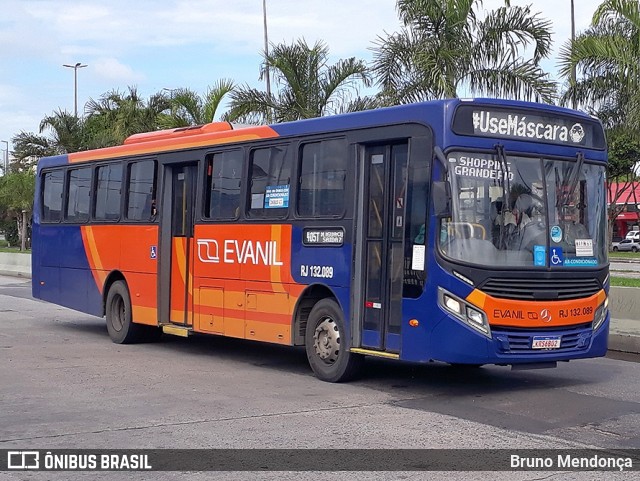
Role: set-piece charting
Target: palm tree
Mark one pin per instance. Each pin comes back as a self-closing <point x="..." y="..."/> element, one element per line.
<point x="189" y="108"/>
<point x="66" y="134"/>
<point x="28" y="148"/>
<point x="66" y="130"/>
<point x="306" y="86"/>
<point x="607" y="58"/>
<point x="445" y="49"/>
<point x="118" y="115"/>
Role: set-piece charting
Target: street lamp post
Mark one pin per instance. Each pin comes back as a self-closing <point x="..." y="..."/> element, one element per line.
<point x="266" y="45"/>
<point x="5" y="156"/>
<point x="266" y="54"/>
<point x="573" y="68"/>
<point x="75" y="85"/>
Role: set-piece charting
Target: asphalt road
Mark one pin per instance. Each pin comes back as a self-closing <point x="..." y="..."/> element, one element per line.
<point x="65" y="385"/>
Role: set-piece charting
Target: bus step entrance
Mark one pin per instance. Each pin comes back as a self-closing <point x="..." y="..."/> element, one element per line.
<point x="176" y="330"/>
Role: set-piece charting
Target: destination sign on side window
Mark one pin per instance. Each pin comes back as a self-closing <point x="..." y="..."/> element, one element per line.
<point x="323" y="237"/>
<point x="528" y="125"/>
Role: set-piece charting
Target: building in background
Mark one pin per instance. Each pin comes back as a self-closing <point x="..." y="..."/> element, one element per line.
<point x="628" y="203"/>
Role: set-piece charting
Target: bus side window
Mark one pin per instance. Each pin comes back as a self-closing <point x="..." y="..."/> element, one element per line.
<point x="323" y="175"/>
<point x="141" y="190"/>
<point x="79" y="195"/>
<point x="270" y="172"/>
<point x="108" y="192"/>
<point x="224" y="172"/>
<point x="53" y="183"/>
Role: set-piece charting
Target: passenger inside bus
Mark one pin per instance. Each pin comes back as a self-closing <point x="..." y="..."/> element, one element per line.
<point x="508" y="225"/>
<point x="573" y="228"/>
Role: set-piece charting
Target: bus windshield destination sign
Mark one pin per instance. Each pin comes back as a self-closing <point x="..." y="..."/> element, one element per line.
<point x="489" y="122"/>
<point x="325" y="237"/>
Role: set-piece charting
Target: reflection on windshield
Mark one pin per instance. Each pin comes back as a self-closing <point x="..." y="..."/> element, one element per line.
<point x="519" y="211"/>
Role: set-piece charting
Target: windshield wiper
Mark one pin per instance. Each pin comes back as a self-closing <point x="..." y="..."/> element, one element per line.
<point x="506" y="188"/>
<point x="502" y="157"/>
<point x="574" y="179"/>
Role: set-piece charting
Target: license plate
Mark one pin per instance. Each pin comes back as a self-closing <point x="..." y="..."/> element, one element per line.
<point x="546" y="342"/>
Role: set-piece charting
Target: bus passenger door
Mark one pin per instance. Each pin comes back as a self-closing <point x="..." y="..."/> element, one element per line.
<point x="384" y="196"/>
<point x="179" y="205"/>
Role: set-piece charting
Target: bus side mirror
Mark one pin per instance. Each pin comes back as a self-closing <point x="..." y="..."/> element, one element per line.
<point x="441" y="198"/>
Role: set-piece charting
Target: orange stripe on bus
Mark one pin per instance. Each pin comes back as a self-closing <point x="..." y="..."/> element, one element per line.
<point x="526" y="314"/>
<point x="268" y="317"/>
<point x="261" y="331"/>
<point x="145" y="315"/>
<point x="187" y="142"/>
<point x="93" y="256"/>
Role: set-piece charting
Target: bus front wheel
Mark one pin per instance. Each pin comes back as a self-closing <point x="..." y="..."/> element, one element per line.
<point x="327" y="344"/>
<point x="122" y="329"/>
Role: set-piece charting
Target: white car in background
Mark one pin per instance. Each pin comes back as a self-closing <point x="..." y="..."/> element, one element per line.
<point x="627" y="245"/>
<point x="633" y="234"/>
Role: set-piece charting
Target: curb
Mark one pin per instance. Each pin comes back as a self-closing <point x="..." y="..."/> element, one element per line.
<point x="23" y="275"/>
<point x="624" y="342"/>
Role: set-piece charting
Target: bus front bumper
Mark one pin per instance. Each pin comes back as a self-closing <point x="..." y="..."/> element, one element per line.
<point x="460" y="344"/>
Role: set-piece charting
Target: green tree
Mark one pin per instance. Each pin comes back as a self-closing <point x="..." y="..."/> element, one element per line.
<point x="606" y="58"/>
<point x="444" y="49"/>
<point x="188" y="108"/>
<point x="307" y="86"/>
<point x="67" y="131"/>
<point x="28" y="148"/>
<point x="16" y="200"/>
<point x="117" y="115"/>
<point x="624" y="156"/>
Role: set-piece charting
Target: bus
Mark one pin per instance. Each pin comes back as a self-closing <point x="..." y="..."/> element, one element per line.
<point x="468" y="232"/>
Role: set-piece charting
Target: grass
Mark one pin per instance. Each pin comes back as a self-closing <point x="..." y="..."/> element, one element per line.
<point x="14" y="250"/>
<point x="624" y="255"/>
<point x="625" y="282"/>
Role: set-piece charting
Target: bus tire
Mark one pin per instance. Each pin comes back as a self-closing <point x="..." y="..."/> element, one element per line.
<point x="327" y="344"/>
<point x="122" y="329"/>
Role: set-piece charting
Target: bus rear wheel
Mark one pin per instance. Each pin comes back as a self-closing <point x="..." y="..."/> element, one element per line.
<point x="327" y="344"/>
<point x="120" y="325"/>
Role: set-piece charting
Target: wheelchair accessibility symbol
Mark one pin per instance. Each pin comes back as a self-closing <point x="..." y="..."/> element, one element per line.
<point x="557" y="258"/>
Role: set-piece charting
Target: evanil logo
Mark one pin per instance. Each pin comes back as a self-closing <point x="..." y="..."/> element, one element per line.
<point x="232" y="251"/>
<point x="515" y="125"/>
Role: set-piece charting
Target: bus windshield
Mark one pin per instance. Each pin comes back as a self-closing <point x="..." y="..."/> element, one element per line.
<point x="510" y="210"/>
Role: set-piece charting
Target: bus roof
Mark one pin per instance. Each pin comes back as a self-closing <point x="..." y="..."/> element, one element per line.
<point x="435" y="112"/>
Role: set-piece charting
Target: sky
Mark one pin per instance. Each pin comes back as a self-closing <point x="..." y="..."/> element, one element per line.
<point x="155" y="45"/>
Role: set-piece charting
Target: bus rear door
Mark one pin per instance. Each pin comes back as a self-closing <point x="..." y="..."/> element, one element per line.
<point x="177" y="246"/>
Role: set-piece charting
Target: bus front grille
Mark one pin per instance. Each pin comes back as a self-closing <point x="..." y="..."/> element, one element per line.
<point x="540" y="289"/>
<point x="516" y="341"/>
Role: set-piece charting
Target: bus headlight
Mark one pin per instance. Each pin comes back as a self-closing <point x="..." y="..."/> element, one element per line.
<point x="464" y="311"/>
<point x="601" y="314"/>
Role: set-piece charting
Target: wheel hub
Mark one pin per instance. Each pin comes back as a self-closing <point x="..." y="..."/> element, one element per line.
<point x="326" y="340"/>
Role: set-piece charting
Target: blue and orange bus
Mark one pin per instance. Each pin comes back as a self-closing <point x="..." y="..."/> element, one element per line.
<point x="464" y="231"/>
